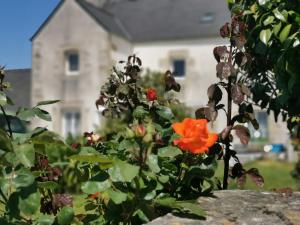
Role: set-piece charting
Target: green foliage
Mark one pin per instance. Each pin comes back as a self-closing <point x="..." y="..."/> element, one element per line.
<point x="131" y="175"/>
<point x="273" y="43"/>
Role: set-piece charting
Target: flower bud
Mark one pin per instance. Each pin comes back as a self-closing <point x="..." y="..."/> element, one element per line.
<point x="139" y="130"/>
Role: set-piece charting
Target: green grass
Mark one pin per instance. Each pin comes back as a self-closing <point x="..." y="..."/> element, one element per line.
<point x="276" y="174"/>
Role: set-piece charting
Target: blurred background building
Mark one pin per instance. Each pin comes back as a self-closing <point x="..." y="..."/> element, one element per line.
<point x="75" y="48"/>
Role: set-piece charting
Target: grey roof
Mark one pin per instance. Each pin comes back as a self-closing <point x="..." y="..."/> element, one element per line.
<point x="155" y="20"/>
<point x="20" y="92"/>
<point x="105" y="18"/>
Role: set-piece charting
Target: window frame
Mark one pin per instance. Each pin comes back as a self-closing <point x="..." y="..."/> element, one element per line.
<point x="69" y="72"/>
<point x="73" y="113"/>
<point x="173" y="61"/>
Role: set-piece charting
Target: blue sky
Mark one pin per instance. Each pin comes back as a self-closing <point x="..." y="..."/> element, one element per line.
<point x="19" y="19"/>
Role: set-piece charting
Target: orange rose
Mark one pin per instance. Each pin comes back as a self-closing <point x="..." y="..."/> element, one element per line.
<point x="195" y="136"/>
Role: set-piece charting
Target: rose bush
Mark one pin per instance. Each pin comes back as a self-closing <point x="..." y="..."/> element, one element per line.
<point x="131" y="176"/>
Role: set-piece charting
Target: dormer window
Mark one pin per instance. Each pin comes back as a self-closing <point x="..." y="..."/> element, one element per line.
<point x="72" y="63"/>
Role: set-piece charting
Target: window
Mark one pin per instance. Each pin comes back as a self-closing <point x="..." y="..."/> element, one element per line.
<point x="207" y="18"/>
<point x="71" y="123"/>
<point x="72" y="63"/>
<point x="179" y="67"/>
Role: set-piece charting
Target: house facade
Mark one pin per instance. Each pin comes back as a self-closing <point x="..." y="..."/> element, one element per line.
<point x="75" y="48"/>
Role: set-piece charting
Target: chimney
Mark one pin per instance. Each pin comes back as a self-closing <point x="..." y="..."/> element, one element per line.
<point x="98" y="3"/>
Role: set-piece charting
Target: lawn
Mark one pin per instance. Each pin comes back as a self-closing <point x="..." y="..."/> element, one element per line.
<point x="276" y="174"/>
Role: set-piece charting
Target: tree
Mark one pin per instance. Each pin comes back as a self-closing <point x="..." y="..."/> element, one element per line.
<point x="273" y="44"/>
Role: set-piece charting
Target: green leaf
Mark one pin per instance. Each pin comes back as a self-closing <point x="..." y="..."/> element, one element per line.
<point x="285" y="33"/>
<point x="123" y="171"/>
<point x="48" y="185"/>
<point x="191" y="208"/>
<point x="65" y="216"/>
<point x="163" y="179"/>
<point x="45" y="219"/>
<point x="166" y="202"/>
<point x="165" y="112"/>
<point x="29" y="201"/>
<point x="269" y="20"/>
<point x="5" y="142"/>
<point x="9" y="101"/>
<point x="276" y="29"/>
<point x="182" y="206"/>
<point x="117" y="196"/>
<point x="93" y="158"/>
<point x="140" y="112"/>
<point x="25" y="114"/>
<point x="26" y="154"/>
<point x="42" y="114"/>
<point x="152" y="162"/>
<point x="47" y="102"/>
<point x="169" y="151"/>
<point x="23" y="178"/>
<point x="3" y="99"/>
<point x="265" y="36"/>
<point x="262" y="2"/>
<point x="279" y="15"/>
<point x="91" y="187"/>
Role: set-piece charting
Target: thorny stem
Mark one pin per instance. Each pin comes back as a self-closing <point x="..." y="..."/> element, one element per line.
<point x="229" y="109"/>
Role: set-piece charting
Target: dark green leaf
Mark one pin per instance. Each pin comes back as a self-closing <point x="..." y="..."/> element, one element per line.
<point x="91" y="187"/>
<point x="42" y="114"/>
<point x="169" y="151"/>
<point x="153" y="163"/>
<point x="5" y="142"/>
<point x="165" y="112"/>
<point x="117" y="196"/>
<point x="123" y="171"/>
<point x="26" y="154"/>
<point x="23" y="178"/>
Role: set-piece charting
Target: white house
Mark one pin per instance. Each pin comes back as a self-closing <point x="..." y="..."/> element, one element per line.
<point x="75" y="48"/>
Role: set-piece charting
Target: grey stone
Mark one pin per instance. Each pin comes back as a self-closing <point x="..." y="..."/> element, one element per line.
<point x="242" y="207"/>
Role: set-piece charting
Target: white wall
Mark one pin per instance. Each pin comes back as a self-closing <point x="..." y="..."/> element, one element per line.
<point x="200" y="66"/>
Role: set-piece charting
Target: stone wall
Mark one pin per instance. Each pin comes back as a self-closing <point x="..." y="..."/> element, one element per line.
<point x="240" y="207"/>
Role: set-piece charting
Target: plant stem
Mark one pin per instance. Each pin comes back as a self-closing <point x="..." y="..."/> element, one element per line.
<point x="7" y="121"/>
<point x="229" y="112"/>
